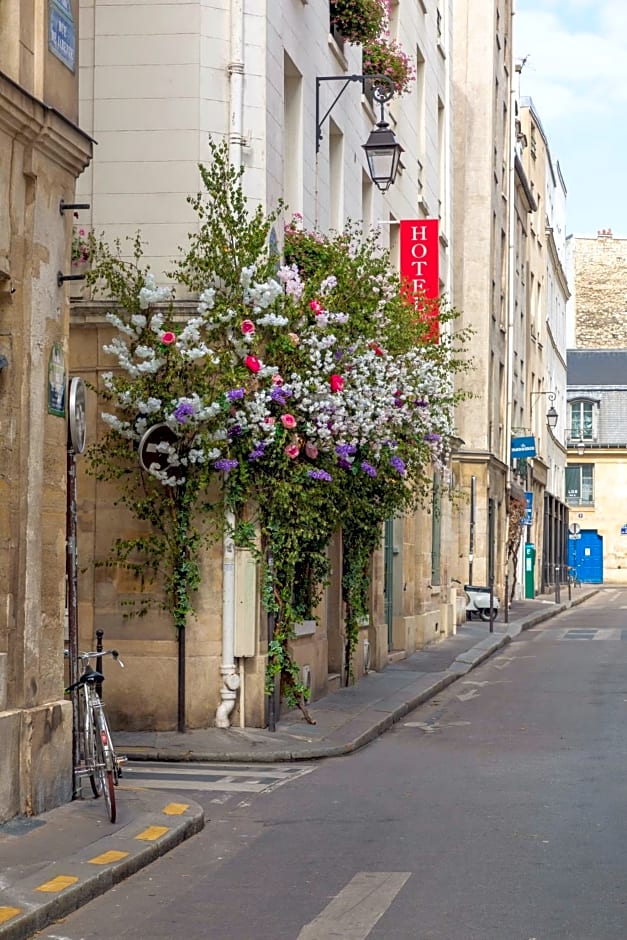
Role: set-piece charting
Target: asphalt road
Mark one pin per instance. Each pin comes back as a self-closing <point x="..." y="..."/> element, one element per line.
<point x="496" y="812"/>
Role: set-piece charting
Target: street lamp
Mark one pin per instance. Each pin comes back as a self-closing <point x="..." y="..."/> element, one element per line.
<point x="383" y="151"/>
<point x="551" y="415"/>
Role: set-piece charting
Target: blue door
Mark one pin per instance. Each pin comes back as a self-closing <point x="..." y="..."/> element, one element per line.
<point x="585" y="555"/>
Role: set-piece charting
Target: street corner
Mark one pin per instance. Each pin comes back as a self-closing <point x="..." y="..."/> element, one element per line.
<point x="151" y="826"/>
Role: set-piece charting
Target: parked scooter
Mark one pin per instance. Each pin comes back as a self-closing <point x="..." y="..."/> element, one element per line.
<point x="478" y="602"/>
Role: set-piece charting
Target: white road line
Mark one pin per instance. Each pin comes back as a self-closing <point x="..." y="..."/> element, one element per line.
<point x="357" y="908"/>
<point x="171" y="767"/>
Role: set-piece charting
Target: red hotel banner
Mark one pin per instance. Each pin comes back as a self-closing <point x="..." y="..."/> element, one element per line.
<point x="420" y="254"/>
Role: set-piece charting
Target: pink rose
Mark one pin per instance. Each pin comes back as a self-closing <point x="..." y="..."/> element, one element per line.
<point x="168" y="338"/>
<point x="270" y="421"/>
<point x="316" y="306"/>
<point x="252" y="363"/>
<point x="247" y="326"/>
<point x="277" y="380"/>
<point x="293" y="338"/>
<point x="311" y="450"/>
<point x="292" y="451"/>
<point x="337" y="383"/>
<point x="288" y="421"/>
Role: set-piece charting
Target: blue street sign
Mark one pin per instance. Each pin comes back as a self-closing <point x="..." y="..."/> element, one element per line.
<point x="62" y="33"/>
<point x="524" y="446"/>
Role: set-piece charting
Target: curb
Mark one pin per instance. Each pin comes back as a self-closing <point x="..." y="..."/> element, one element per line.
<point x="67" y="884"/>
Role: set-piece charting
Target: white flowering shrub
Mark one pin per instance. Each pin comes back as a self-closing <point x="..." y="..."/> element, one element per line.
<point x="309" y="389"/>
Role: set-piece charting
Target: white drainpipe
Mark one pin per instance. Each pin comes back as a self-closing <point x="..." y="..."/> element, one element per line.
<point x="228" y="671"/>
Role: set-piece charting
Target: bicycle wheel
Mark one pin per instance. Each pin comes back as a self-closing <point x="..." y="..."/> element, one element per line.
<point x="103" y="761"/>
<point x="89" y="747"/>
<point x="117" y="769"/>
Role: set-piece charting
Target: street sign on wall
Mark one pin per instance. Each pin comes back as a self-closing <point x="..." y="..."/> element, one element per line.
<point x="524" y="446"/>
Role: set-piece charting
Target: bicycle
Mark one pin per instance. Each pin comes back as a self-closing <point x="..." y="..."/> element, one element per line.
<point x="99" y="761"/>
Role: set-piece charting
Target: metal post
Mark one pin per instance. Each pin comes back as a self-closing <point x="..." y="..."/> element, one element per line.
<point x="506" y="606"/>
<point x="570" y="585"/>
<point x="557" y="584"/>
<point x="99" y="648"/>
<point x="71" y="572"/>
<point x="491" y="603"/>
<point x="471" y="540"/>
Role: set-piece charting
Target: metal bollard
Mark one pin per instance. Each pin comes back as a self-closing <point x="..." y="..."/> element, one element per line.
<point x="506" y="611"/>
<point x="557" y="584"/>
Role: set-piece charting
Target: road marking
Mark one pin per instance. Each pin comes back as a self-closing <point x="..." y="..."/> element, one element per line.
<point x="152" y="833"/>
<point x="357" y="908"/>
<point x="466" y="696"/>
<point x="175" y="809"/>
<point x="486" y="682"/>
<point x="431" y="727"/>
<point x="60" y="883"/>
<point x="8" y="913"/>
<point x="230" y="778"/>
<point x="107" y="858"/>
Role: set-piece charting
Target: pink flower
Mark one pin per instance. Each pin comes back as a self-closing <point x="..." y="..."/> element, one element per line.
<point x="311" y="450"/>
<point x="247" y="326"/>
<point x="376" y="348"/>
<point x="293" y="338"/>
<point x="316" y="306"/>
<point x="252" y="363"/>
<point x="277" y="380"/>
<point x="292" y="451"/>
<point x="168" y="338"/>
<point x="337" y="383"/>
<point x="270" y="421"/>
<point x="288" y="421"/>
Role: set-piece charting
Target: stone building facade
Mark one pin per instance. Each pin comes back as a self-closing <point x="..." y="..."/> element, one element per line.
<point x="600" y="294"/>
<point x="42" y="151"/>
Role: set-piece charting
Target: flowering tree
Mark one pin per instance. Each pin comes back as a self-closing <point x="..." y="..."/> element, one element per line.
<point x="310" y="391"/>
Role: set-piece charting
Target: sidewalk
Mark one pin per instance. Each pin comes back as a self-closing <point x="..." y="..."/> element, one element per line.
<point x="353" y="716"/>
<point x="56" y="862"/>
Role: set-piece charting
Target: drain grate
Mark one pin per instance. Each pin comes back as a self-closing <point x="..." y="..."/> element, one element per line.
<point x="580" y="635"/>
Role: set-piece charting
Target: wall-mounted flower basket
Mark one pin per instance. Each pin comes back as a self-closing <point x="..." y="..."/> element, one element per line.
<point x="358" y="21"/>
<point x="386" y="57"/>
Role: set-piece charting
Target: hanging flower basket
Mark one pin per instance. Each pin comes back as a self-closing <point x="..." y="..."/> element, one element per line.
<point x="386" y="57"/>
<point x="358" y="21"/>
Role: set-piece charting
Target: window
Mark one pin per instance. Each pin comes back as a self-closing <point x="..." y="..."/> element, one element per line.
<point x="581" y="420"/>
<point x="580" y="484"/>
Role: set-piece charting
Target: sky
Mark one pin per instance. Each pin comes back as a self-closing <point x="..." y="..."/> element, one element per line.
<point x="575" y="71"/>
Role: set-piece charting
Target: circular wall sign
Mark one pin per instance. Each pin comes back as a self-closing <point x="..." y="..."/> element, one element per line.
<point x="77" y="415"/>
<point x="574" y="528"/>
<point x="150" y="451"/>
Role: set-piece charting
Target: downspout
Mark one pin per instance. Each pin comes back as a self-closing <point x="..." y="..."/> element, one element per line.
<point x="228" y="670"/>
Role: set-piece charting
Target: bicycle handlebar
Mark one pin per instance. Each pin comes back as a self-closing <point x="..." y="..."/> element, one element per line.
<point x="85" y="657"/>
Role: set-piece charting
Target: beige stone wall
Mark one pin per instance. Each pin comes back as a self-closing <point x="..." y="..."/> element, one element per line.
<point x="40" y="156"/>
<point x="601" y="292"/>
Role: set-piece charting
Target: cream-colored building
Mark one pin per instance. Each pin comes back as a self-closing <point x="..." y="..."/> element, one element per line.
<point x="542" y="356"/>
<point x="596" y="476"/>
<point x="485" y="228"/>
<point x="157" y="79"/>
<point x="42" y="151"/>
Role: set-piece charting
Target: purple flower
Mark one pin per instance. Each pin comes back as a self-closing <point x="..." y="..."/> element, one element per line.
<point x="398" y="464"/>
<point x="320" y="475"/>
<point x="421" y="404"/>
<point x="368" y="468"/>
<point x="257" y="453"/>
<point x="345" y="450"/>
<point x="432" y="438"/>
<point x="225" y="464"/>
<point x="280" y="394"/>
<point x="183" y="411"/>
<point x="234" y="431"/>
<point x="344" y="464"/>
<point x="235" y="394"/>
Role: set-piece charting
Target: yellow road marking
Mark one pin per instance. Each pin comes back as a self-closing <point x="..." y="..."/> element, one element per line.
<point x="107" y="857"/>
<point x="60" y="883"/>
<point x="175" y="809"/>
<point x="8" y="913"/>
<point x="152" y="833"/>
